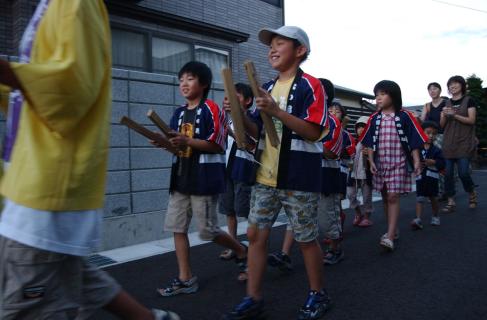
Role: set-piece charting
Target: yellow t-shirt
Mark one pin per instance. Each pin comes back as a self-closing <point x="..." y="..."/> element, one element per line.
<point x="60" y="156"/>
<point x="267" y="172"/>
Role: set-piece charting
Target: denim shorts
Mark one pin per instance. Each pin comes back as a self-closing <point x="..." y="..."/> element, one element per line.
<point x="301" y="208"/>
<point x="235" y="200"/>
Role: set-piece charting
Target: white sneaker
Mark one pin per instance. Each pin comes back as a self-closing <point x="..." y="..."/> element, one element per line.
<point x="435" y="221"/>
<point x="164" y="315"/>
<point x="396" y="237"/>
<point x="387" y="244"/>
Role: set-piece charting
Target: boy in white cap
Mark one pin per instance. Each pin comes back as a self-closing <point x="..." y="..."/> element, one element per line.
<point x="286" y="176"/>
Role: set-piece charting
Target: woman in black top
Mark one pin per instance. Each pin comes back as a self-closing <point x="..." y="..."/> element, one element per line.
<point x="432" y="112"/>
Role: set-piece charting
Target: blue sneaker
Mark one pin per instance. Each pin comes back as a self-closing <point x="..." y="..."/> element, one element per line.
<point x="248" y="309"/>
<point x="315" y="306"/>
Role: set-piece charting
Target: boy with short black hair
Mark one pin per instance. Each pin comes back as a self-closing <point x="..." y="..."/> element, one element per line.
<point x="286" y="176"/>
<point x="198" y="173"/>
<point x="432" y="162"/>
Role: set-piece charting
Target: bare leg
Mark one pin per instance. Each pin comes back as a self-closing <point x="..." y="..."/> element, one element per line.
<point x="181" y="242"/>
<point x="288" y="242"/>
<point x="256" y="260"/>
<point x="419" y="210"/>
<point x="313" y="260"/>
<point x="435" y="206"/>
<point x="126" y="307"/>
<point x="393" y="214"/>
<point x="232" y="225"/>
<point x="225" y="240"/>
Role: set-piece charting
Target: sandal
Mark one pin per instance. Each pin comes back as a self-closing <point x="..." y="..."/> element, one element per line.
<point x="472" y="200"/>
<point x="242" y="266"/>
<point x="227" y="255"/>
<point x="178" y="286"/>
<point x="365" y="223"/>
<point x="242" y="269"/>
<point x="449" y="208"/>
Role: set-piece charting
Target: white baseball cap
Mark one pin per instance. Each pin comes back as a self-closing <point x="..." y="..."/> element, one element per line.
<point x="362" y="119"/>
<point x="291" y="32"/>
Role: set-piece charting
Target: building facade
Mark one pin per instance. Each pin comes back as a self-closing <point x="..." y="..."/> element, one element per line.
<point x="356" y="103"/>
<point x="151" y="40"/>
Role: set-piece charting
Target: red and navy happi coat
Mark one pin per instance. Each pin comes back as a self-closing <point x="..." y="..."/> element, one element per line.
<point x="408" y="128"/>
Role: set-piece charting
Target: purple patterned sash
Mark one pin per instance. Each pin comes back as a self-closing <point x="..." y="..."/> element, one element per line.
<point x="16" y="99"/>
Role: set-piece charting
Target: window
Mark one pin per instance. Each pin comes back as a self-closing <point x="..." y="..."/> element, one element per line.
<point x="169" y="56"/>
<point x="144" y="52"/>
<point x="215" y="59"/>
<point x="128" y="50"/>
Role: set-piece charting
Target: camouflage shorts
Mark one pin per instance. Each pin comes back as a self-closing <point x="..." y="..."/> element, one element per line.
<point x="300" y="207"/>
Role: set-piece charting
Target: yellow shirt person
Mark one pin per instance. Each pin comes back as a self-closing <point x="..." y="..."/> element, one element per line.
<point x="60" y="156"/>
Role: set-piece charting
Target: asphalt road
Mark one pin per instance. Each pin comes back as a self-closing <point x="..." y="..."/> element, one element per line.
<point x="436" y="273"/>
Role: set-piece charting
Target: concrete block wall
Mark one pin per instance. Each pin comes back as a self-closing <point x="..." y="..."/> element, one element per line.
<point x="138" y="174"/>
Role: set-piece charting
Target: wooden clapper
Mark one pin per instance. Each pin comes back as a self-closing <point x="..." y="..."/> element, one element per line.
<point x="269" y="127"/>
<point x="237" y="114"/>
<point x="140" y="129"/>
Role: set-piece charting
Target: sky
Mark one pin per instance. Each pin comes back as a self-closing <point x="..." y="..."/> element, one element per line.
<point x="357" y="43"/>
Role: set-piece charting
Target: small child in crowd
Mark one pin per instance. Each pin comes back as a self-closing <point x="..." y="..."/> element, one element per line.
<point x="347" y="152"/>
<point x="393" y="138"/>
<point x="427" y="184"/>
<point x="360" y="179"/>
<point x="330" y="225"/>
<point x="235" y="201"/>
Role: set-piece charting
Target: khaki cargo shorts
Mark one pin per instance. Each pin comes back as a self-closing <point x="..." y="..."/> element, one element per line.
<point x="181" y="209"/>
<point x="38" y="284"/>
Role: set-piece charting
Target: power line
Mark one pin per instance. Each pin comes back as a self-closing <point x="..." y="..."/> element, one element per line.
<point x="459" y="6"/>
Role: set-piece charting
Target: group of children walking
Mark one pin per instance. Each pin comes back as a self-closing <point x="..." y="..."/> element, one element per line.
<point x="257" y="181"/>
<point x="315" y="165"/>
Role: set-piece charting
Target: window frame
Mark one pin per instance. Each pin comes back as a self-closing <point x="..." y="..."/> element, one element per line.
<point x="150" y="34"/>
